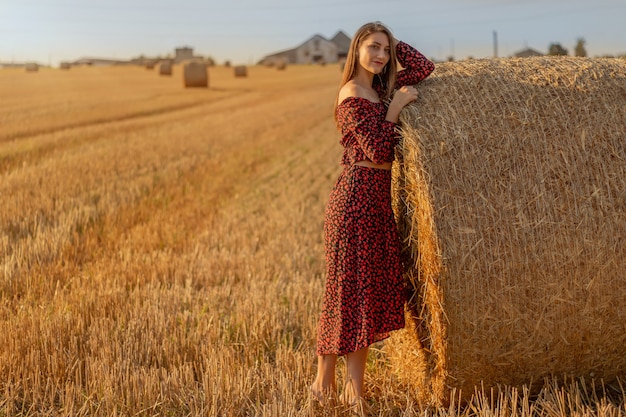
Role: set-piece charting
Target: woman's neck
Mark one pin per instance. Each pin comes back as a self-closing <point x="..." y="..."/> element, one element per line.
<point x="364" y="78"/>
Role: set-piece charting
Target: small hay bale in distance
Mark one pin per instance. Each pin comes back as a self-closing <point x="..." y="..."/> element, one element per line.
<point x="241" y="71"/>
<point x="31" y="67"/>
<point x="281" y="64"/>
<point x="510" y="191"/>
<point x="342" y="64"/>
<point x="165" y="67"/>
<point x="65" y="65"/>
<point x="195" y="74"/>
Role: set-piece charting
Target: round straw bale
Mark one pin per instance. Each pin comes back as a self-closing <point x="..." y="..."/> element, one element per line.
<point x="196" y="74"/>
<point x="241" y="71"/>
<point x="510" y="195"/>
<point x="165" y="68"/>
<point x="65" y="65"/>
<point x="31" y="67"/>
<point x="281" y="64"/>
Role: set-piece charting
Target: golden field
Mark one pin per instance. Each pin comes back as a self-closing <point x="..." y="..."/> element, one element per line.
<point x="161" y="248"/>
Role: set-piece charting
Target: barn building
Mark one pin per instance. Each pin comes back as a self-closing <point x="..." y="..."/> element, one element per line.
<point x="526" y="53"/>
<point x="315" y="50"/>
<point x="183" y="54"/>
<point x="99" y="62"/>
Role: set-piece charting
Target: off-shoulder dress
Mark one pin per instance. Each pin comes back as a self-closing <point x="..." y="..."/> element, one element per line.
<point x="364" y="294"/>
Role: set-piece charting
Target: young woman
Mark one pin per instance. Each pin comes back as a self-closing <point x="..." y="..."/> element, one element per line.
<point x="364" y="296"/>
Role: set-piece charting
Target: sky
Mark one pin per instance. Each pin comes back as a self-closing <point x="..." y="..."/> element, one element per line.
<point x="244" y="31"/>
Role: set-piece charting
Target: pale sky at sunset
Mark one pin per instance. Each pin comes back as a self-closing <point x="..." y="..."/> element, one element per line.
<point x="243" y="31"/>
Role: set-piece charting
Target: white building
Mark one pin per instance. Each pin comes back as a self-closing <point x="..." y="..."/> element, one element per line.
<point x="183" y="54"/>
<point x="316" y="50"/>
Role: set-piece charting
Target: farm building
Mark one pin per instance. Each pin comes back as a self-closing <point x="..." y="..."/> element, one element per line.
<point x="525" y="53"/>
<point x="316" y="50"/>
<point x="343" y="44"/>
<point x="15" y="65"/>
<point x="183" y="54"/>
<point x="99" y="62"/>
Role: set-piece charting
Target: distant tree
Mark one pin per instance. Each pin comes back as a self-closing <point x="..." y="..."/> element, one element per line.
<point x="556" y="49"/>
<point x="580" y="50"/>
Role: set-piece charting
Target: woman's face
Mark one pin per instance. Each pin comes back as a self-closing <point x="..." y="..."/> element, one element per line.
<point x="374" y="52"/>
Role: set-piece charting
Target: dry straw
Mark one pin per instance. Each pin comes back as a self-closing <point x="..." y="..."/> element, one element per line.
<point x="510" y="190"/>
<point x="195" y="74"/>
<point x="241" y="71"/>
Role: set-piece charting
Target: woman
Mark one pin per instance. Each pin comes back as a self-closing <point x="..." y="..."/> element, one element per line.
<point x="364" y="296"/>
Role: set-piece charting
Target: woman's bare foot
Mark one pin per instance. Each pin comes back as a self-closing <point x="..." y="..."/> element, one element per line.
<point x="317" y="394"/>
<point x="323" y="396"/>
<point x="324" y="387"/>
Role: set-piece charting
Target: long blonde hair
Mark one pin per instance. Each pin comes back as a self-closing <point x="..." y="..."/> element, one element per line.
<point x="386" y="80"/>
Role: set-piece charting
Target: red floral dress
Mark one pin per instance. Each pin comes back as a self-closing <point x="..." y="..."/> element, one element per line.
<point x="364" y="296"/>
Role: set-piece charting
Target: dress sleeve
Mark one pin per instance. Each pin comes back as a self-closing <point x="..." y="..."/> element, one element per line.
<point x="416" y="66"/>
<point x="363" y="123"/>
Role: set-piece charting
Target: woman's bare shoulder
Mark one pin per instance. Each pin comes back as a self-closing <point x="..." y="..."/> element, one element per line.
<point x="349" y="89"/>
<point x="353" y="90"/>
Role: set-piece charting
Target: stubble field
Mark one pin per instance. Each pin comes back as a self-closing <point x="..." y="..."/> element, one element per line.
<point x="161" y="248"/>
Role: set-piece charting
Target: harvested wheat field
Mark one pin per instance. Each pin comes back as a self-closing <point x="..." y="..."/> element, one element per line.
<point x="512" y="201"/>
<point x="161" y="249"/>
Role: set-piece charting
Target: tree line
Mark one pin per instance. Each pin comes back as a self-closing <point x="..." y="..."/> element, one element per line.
<point x="558" y="50"/>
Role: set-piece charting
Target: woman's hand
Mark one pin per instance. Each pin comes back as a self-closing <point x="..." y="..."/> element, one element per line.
<point x="403" y="96"/>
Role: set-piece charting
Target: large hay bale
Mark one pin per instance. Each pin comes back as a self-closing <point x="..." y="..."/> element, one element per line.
<point x="510" y="192"/>
<point x="31" y="67"/>
<point x="165" y="68"/>
<point x="195" y="74"/>
<point x="65" y="65"/>
<point x="241" y="71"/>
